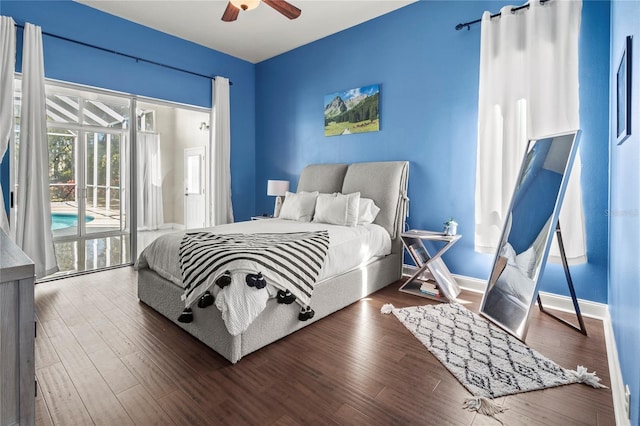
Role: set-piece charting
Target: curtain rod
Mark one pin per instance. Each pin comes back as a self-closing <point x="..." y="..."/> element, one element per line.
<point x="126" y="55"/>
<point x="513" y="9"/>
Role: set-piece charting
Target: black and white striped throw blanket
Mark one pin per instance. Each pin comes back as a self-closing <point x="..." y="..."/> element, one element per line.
<point x="288" y="261"/>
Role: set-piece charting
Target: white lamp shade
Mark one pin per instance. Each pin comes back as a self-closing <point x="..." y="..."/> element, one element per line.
<point x="277" y="187"/>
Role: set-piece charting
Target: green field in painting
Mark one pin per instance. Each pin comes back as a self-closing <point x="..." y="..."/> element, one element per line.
<point x="345" y="128"/>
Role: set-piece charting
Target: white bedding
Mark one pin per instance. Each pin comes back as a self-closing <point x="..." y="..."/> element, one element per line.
<point x="349" y="248"/>
<point x="514" y="279"/>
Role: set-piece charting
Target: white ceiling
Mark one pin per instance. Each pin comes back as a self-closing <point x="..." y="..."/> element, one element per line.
<point x="257" y="34"/>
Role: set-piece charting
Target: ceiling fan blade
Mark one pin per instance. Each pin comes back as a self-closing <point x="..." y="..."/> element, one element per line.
<point x="230" y="13"/>
<point x="286" y="8"/>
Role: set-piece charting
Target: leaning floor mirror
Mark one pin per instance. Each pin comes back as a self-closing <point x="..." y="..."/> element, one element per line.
<point x="528" y="231"/>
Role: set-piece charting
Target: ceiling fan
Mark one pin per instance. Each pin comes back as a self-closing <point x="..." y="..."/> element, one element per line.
<point x="233" y="8"/>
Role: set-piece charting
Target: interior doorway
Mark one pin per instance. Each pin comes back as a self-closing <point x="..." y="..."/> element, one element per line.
<point x="179" y="129"/>
<point x="195" y="206"/>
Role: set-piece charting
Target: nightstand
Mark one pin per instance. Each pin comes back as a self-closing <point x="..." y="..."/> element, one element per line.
<point x="264" y="216"/>
<point x="430" y="269"/>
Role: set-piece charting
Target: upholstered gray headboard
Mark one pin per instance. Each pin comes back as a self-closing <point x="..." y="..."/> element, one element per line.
<point x="384" y="182"/>
<point x="324" y="178"/>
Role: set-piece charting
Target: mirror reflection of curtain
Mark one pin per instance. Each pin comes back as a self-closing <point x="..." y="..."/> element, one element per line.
<point x="7" y="68"/>
<point x="33" y="207"/>
<point x="528" y="89"/>
<point x="149" y="171"/>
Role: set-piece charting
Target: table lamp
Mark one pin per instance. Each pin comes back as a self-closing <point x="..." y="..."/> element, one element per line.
<point x="277" y="188"/>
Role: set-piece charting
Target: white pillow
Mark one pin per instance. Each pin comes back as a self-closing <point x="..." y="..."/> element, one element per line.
<point x="516" y="283"/>
<point x="338" y="209"/>
<point x="368" y="211"/>
<point x="509" y="253"/>
<point x="298" y="206"/>
<point x="526" y="261"/>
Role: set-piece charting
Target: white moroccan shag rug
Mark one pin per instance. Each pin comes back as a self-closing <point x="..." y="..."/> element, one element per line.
<point x="487" y="361"/>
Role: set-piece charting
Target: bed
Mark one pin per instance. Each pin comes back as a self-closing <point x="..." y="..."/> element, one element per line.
<point x="385" y="183"/>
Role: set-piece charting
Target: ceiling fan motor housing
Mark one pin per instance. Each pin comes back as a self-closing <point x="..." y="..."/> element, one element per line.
<point x="245" y="4"/>
<point x="234" y="6"/>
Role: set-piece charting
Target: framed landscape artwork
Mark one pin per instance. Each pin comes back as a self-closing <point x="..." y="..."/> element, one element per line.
<point x="623" y="94"/>
<point x="352" y="111"/>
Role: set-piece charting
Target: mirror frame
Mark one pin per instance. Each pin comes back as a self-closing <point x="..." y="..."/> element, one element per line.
<point x="499" y="263"/>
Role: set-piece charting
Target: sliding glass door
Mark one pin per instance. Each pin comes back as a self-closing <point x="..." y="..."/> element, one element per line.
<point x="90" y="137"/>
<point x="88" y="178"/>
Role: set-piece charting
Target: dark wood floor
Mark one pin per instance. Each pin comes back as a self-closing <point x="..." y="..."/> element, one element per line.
<point x="104" y="358"/>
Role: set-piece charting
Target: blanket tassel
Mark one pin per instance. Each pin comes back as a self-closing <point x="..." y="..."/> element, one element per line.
<point x="583" y="376"/>
<point x="387" y="308"/>
<point x="483" y="405"/>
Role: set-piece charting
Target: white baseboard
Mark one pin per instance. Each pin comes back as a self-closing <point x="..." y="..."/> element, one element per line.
<point x="588" y="309"/>
<point x="552" y="301"/>
<point x="615" y="373"/>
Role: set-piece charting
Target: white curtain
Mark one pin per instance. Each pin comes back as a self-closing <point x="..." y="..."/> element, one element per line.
<point x="220" y="185"/>
<point x="528" y="89"/>
<point x="7" y="69"/>
<point x="33" y="221"/>
<point x="149" y="170"/>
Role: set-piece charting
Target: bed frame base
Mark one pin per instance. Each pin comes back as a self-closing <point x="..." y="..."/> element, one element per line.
<point x="277" y="320"/>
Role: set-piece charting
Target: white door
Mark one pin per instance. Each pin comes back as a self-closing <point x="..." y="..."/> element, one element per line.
<point x="194" y="197"/>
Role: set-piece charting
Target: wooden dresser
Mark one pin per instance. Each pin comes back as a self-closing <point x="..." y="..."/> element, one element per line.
<point x="17" y="333"/>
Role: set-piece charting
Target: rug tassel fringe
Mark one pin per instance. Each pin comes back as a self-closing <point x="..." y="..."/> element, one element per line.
<point x="387" y="308"/>
<point x="583" y="376"/>
<point x="483" y="405"/>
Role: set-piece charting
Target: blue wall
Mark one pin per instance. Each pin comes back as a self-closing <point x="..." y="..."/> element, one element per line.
<point x="624" y="218"/>
<point x="78" y="64"/>
<point x="428" y="75"/>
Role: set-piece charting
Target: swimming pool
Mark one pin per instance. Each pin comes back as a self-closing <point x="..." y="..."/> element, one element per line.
<point x="66" y="220"/>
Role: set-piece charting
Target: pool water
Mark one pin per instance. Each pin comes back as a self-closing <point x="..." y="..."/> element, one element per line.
<point x="66" y="220"/>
